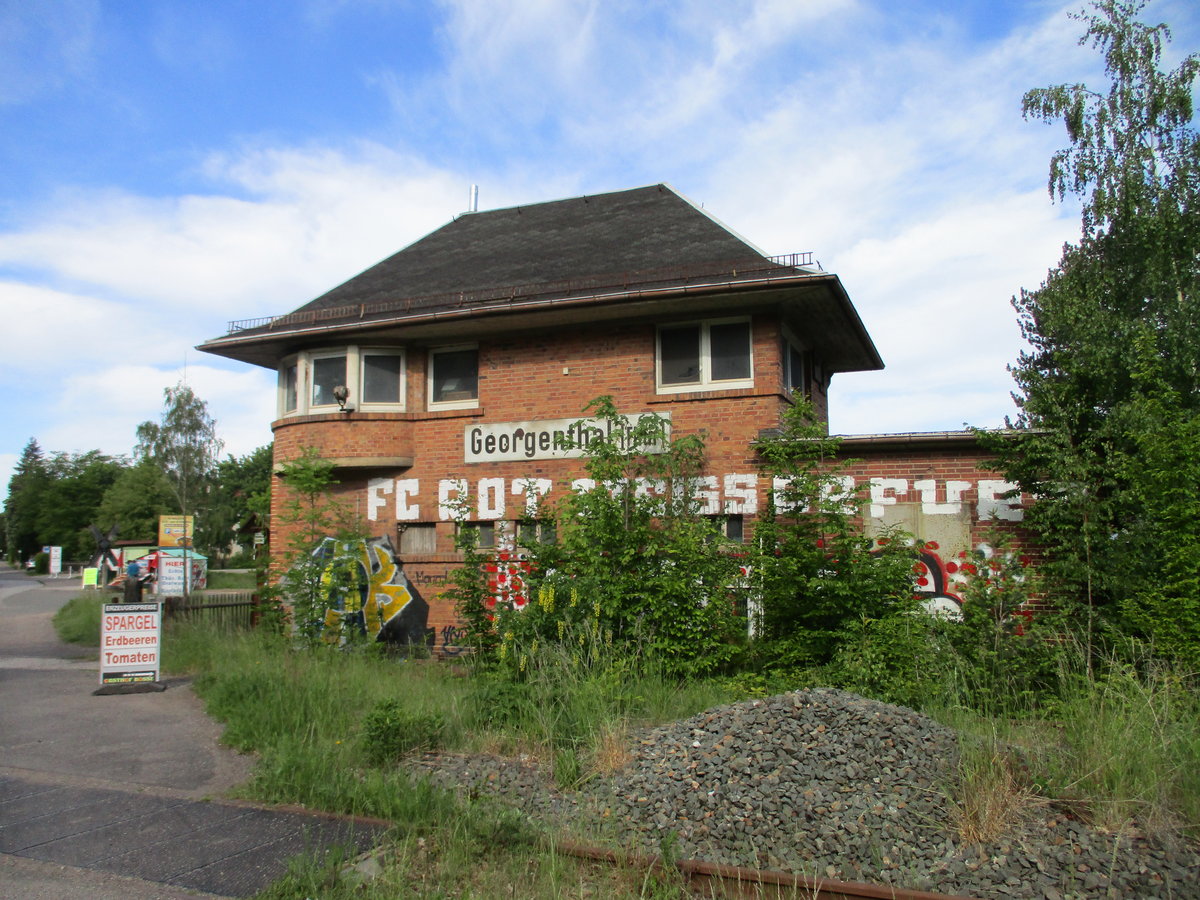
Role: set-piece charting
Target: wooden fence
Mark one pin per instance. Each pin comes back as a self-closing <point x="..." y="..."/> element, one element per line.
<point x="226" y="610"/>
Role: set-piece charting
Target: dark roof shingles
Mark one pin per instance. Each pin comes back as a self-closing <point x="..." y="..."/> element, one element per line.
<point x="627" y="231"/>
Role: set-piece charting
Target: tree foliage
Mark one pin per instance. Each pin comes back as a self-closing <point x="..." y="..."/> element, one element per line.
<point x="241" y="487"/>
<point x="75" y="487"/>
<point x="1109" y="390"/>
<point x="135" y="500"/>
<point x="53" y="498"/>
<point x="26" y="490"/>
<point x="816" y="573"/>
<point x="184" y="444"/>
<point x="634" y="563"/>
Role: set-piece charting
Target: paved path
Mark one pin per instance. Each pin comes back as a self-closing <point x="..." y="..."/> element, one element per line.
<point x="117" y="797"/>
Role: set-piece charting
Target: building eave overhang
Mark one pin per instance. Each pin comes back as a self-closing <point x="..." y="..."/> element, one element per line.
<point x="266" y="345"/>
<point x="919" y="440"/>
<point x="357" y="463"/>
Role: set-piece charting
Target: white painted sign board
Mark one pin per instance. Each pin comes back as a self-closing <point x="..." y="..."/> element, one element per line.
<point x="130" y="643"/>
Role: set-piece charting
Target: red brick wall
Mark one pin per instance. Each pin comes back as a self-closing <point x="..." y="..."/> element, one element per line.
<point x="544" y="377"/>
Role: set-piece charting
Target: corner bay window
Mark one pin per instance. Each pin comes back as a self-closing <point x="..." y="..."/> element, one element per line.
<point x="289" y="385"/>
<point x="374" y="378"/>
<point x="802" y="371"/>
<point x="327" y="373"/>
<point x="700" y="355"/>
<point x="382" y="375"/>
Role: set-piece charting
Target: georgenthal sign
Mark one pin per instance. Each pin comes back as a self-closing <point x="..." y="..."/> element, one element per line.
<point x="544" y="439"/>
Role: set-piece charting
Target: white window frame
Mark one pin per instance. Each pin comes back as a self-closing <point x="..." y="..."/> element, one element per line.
<point x="289" y="365"/>
<point x="469" y="403"/>
<point x="380" y="405"/>
<point x="313" y="357"/>
<point x="304" y="363"/>
<point x="706" y="382"/>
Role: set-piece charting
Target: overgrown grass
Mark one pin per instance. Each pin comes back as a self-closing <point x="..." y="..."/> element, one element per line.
<point x="225" y="580"/>
<point x="78" y="620"/>
<point x="311" y="717"/>
<point x="1131" y="749"/>
<point x="1121" y="749"/>
<point x="568" y="701"/>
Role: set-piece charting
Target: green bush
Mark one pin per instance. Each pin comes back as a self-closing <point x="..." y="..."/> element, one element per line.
<point x="900" y="658"/>
<point x="633" y="562"/>
<point x="391" y="731"/>
<point x="78" y="621"/>
<point x="816" y="572"/>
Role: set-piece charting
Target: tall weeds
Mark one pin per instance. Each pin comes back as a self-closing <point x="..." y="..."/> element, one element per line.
<point x="1117" y="742"/>
<point x="302" y="713"/>
<point x="571" y="699"/>
<point x="1131" y="748"/>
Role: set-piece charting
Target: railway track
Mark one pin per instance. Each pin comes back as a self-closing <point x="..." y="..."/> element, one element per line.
<point x="706" y="879"/>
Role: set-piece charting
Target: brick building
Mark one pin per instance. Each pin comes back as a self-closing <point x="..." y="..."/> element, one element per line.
<point x="450" y="371"/>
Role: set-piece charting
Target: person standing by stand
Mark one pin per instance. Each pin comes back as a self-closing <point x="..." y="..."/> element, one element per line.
<point x="133" y="583"/>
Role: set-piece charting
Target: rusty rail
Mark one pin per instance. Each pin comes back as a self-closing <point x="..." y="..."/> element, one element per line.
<point x="718" y="880"/>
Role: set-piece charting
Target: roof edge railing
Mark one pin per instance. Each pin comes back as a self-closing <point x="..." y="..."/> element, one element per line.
<point x="784" y="266"/>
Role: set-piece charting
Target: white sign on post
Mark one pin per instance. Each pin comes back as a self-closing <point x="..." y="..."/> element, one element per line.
<point x="130" y="643"/>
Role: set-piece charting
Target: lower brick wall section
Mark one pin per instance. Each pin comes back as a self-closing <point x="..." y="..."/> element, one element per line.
<point x="429" y="575"/>
<point x="937" y="487"/>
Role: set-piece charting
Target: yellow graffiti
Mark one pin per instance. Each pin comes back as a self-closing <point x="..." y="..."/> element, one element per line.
<point x="385" y="598"/>
<point x="386" y="590"/>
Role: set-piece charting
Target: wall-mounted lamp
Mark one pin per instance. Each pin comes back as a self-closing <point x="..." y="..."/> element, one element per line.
<point x="341" y="394"/>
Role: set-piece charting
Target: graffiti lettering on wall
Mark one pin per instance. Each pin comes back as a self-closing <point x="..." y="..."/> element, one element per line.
<point x="940" y="579"/>
<point x="731" y="494"/>
<point x="938" y="582"/>
<point x="454" y="639"/>
<point x="386" y="606"/>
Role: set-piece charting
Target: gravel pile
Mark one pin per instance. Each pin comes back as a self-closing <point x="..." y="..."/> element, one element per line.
<point x="829" y="784"/>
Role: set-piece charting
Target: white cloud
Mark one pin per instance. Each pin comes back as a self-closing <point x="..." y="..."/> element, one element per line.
<point x="37" y="319"/>
<point x="128" y="285"/>
<point x="292" y="223"/>
<point x="897" y="154"/>
<point x="101" y="409"/>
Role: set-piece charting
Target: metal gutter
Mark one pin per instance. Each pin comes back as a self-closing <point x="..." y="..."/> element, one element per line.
<point x="920" y="438"/>
<point x="513" y="306"/>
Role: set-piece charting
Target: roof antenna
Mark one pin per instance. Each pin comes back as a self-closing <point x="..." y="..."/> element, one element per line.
<point x="473" y="200"/>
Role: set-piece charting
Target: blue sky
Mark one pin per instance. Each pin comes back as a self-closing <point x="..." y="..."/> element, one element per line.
<point x="166" y="167"/>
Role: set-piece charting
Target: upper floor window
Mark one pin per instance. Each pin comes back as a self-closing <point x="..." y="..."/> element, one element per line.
<point x="703" y="355"/>
<point x="454" y="377"/>
<point x="327" y="373"/>
<point x="797" y="373"/>
<point x="382" y="377"/>
<point x="373" y="378"/>
<point x="289" y="387"/>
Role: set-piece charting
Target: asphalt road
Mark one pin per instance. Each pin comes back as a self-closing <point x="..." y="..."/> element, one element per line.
<point x="120" y="797"/>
